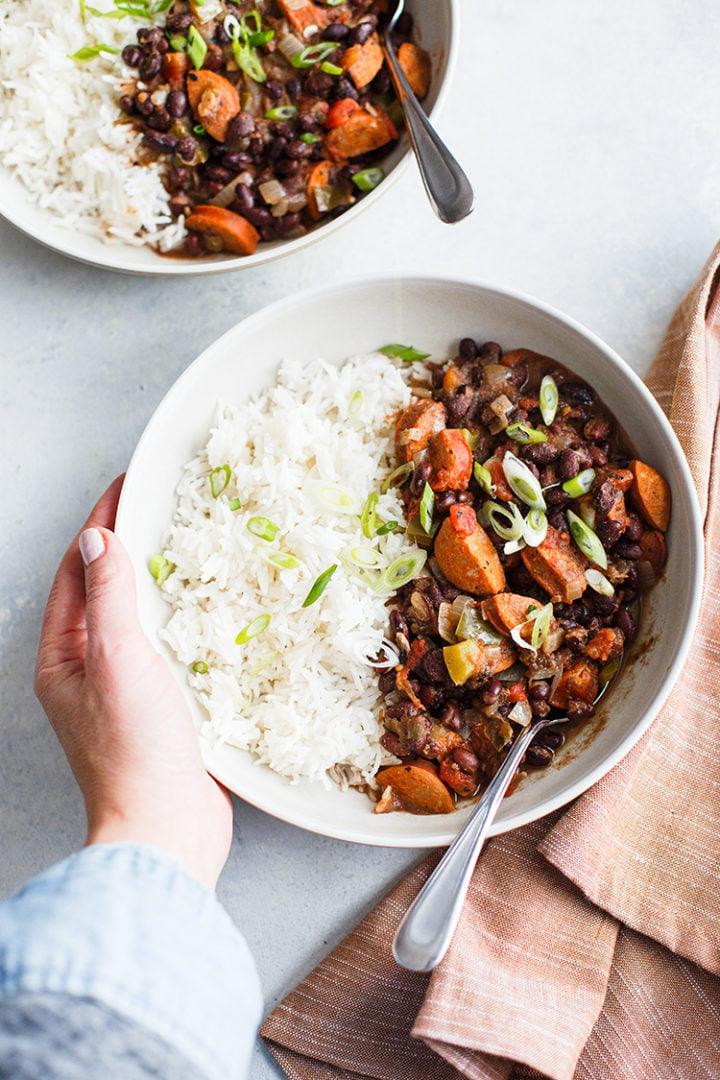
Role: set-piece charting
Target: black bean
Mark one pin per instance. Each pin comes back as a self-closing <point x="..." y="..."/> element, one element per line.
<point x="319" y="84"/>
<point x="577" y="392"/>
<point x="517" y="375"/>
<point x="451" y="716"/>
<point x="557" y="519"/>
<point x="465" y="759"/>
<point x="150" y="66"/>
<point x="580" y="710"/>
<point x="179" y="204"/>
<point x="149" y="35"/>
<point x="458" y="406"/>
<point x="539" y="691"/>
<point x="598" y="457"/>
<point x="538" y="756"/>
<point x="176" y="103"/>
<point x="491" y="691"/>
<point x="568" y="464"/>
<point x="467" y="348"/>
<point x="608" y="530"/>
<point x="364" y="30"/>
<point x="159" y="120"/>
<point x="259" y="217"/>
<point x="177" y="24"/>
<point x="132" y="55"/>
<point x="336" y="31"/>
<point x="398" y="623"/>
<point x="193" y="246"/>
<point x="273" y="89"/>
<point x="420" y="476"/>
<point x="162" y="46"/>
<point x="490" y="352"/>
<point x="386" y="682"/>
<point x="382" y="82"/>
<point x="551" y="737"/>
<point x="286" y="223"/>
<point x="404" y="25"/>
<point x="240" y="127"/>
<point x="345" y="89"/>
<point x="605" y="605"/>
<point x="187" y="148"/>
<point x="297" y="149"/>
<point x="444" y="501"/>
<point x="159" y="141"/>
<point x="143" y="103"/>
<point x="433" y="666"/>
<point x="218" y="173"/>
<point x="286" y="167"/>
<point x="465" y="497"/>
<point x="394" y="744"/>
<point x="277" y="148"/>
<point x="634" y="529"/>
<point x="626" y="550"/>
<point x="541" y="454"/>
<point x="306" y="122"/>
<point x="221" y="35"/>
<point x="540" y="708"/>
<point x="557" y="497"/>
<point x="127" y="104"/>
<point x="214" y="59"/>
<point x="625" y="622"/>
<point x="401" y="710"/>
<point x="244" y="196"/>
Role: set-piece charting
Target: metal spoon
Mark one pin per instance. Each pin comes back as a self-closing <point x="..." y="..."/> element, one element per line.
<point x="447" y="185"/>
<point x="424" y="934"/>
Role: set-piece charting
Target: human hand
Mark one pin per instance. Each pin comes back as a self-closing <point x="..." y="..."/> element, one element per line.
<point x="118" y="712"/>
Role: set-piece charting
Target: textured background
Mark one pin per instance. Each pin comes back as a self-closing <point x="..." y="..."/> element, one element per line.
<point x="592" y="136"/>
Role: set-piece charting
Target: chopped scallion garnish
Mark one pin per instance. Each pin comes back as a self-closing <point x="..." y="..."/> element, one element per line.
<point x="261" y="38"/>
<point x="219" y="480"/>
<point x="403" y="569"/>
<point x="598" y="582"/>
<point x="587" y="540"/>
<point x="365" y="557"/>
<point x="368" y="521"/>
<point x="196" y="48"/>
<point x="403" y="352"/>
<point x="330" y="69"/>
<point x="368" y="180"/>
<point x="535" y="527"/>
<point x="309" y="137"/>
<point x="484" y="478"/>
<point x="160" y="568"/>
<point x="281" y="112"/>
<point x="260" y="623"/>
<point x="200" y="667"/>
<point x="541" y="625"/>
<point x="505" y="519"/>
<point x="388" y="527"/>
<point x="427" y="506"/>
<point x="234" y="504"/>
<point x="523" y="482"/>
<point x="580" y="484"/>
<point x="178" y="43"/>
<point x="524" y="434"/>
<point x="263" y="528"/>
<point x="313" y="54"/>
<point x="319" y="586"/>
<point x="90" y="52"/>
<point x="281" y="560"/>
<point x="356" y="403"/>
<point x="548" y="399"/>
<point x="198" y="129"/>
<point x="397" y="477"/>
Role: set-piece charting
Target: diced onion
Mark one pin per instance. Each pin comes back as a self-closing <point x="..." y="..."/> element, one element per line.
<point x="272" y="191"/>
<point x="521" y="713"/>
<point x="289" y="46"/>
<point x="523" y="482"/>
<point x="598" y="582"/>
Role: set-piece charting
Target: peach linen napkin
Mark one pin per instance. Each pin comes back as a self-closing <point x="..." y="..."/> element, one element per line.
<point x="589" y="944"/>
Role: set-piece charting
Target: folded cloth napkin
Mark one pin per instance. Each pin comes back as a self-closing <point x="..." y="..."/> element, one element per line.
<point x="589" y="944"/>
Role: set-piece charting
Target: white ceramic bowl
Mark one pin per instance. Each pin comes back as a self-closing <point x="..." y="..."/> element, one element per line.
<point x="358" y="317"/>
<point x="436" y="29"/>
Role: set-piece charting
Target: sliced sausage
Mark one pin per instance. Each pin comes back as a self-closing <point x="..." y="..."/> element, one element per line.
<point x="416" y="427"/>
<point x="556" y="567"/>
<point x="469" y="560"/>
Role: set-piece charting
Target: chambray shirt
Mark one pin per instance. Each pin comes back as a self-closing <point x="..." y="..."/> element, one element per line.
<point x="116" y="963"/>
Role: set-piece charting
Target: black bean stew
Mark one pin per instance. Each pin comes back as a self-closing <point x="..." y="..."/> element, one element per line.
<point x="542" y="529"/>
<point x="271" y="116"/>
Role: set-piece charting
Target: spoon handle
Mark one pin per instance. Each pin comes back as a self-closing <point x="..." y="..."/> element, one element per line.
<point x="447" y="185"/>
<point x="424" y="934"/>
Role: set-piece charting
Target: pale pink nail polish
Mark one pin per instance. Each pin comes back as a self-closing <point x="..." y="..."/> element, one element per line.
<point x="91" y="545"/>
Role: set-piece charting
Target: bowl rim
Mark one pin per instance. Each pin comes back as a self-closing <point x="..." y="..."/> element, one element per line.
<point x="661" y="689"/>
<point x="120" y="256"/>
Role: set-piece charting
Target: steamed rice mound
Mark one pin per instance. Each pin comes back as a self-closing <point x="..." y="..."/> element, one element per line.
<point x="298" y="696"/>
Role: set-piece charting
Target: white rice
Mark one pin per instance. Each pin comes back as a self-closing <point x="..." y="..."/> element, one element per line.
<point x="297" y="695"/>
<point x="60" y="134"/>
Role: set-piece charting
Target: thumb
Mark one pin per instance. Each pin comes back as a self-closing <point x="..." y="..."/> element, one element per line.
<point x="110" y="602"/>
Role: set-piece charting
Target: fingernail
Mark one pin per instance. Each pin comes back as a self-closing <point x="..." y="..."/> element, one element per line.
<point x="91" y="545"/>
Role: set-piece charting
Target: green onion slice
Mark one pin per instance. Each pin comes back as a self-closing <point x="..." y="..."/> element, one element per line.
<point x="514" y="545"/>
<point x="484" y="478"/>
<point x="313" y="54"/>
<point x="263" y="528"/>
<point x="403" y="569"/>
<point x="90" y="52"/>
<point x="281" y="560"/>
<point x="261" y="38"/>
<point x="160" y="568"/>
<point x="281" y="112"/>
<point x="198" y="129"/>
<point x="397" y="477"/>
<point x="309" y="137"/>
<point x="598" y="582"/>
<point x="250" y="23"/>
<point x="523" y="482"/>
<point x="368" y="520"/>
<point x="240" y="36"/>
<point x="524" y="434"/>
<point x="587" y="540"/>
<point x="580" y="484"/>
<point x="365" y="556"/>
<point x="319" y="586"/>
<point x="330" y="69"/>
<point x="504" y="518"/>
<point x="549" y="399"/>
<point x="403" y="352"/>
<point x="388" y="527"/>
<point x="234" y="504"/>
<point x="356" y="403"/>
<point x="334" y="3"/>
<point x="337" y="497"/>
<point x="178" y="43"/>
<point x="535" y="527"/>
<point x="427" y="506"/>
<point x="200" y="667"/>
<point x="368" y="179"/>
<point x="197" y="49"/>
<point x="260" y="623"/>
<point x="219" y="480"/>
<point x="541" y="625"/>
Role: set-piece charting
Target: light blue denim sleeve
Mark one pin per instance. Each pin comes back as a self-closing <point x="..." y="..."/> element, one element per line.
<point x="125" y="925"/>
